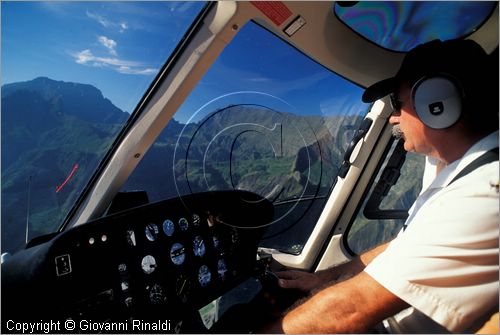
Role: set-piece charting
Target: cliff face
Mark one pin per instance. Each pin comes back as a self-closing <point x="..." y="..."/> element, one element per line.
<point x="48" y="127"/>
<point x="53" y="129"/>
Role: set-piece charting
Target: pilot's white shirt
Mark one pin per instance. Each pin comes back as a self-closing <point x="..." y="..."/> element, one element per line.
<point x="445" y="264"/>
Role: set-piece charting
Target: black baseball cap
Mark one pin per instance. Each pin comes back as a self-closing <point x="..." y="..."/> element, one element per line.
<point x="464" y="60"/>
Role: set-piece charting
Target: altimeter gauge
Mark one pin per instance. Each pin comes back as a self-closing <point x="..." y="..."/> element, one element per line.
<point x="148" y="264"/>
<point x="168" y="227"/>
<point x="199" y="246"/>
<point x="177" y="253"/>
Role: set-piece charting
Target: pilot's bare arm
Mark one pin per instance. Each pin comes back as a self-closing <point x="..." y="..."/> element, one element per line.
<point x="306" y="281"/>
<point x="354" y="305"/>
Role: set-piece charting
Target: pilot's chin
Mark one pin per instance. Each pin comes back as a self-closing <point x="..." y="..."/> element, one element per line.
<point x="397" y="132"/>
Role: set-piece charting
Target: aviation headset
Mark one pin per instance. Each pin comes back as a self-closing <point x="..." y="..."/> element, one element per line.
<point x="438" y="100"/>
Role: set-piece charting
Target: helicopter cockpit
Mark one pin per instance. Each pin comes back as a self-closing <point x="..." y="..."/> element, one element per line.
<point x="159" y="164"/>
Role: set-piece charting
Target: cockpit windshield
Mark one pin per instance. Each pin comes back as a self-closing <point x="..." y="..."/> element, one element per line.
<point x="72" y="74"/>
<point x="265" y="117"/>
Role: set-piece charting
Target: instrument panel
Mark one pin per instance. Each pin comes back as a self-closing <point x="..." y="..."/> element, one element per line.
<point x="161" y="260"/>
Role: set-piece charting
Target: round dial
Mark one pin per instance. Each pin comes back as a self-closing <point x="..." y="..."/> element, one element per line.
<point x="122" y="267"/>
<point x="204" y="275"/>
<point x="198" y="246"/>
<point x="177" y="253"/>
<point x="168" y="227"/>
<point x="183" y="224"/>
<point x="183" y="287"/>
<point x="148" y="264"/>
<point x="156" y="294"/>
<point x="151" y="231"/>
<point x="196" y="220"/>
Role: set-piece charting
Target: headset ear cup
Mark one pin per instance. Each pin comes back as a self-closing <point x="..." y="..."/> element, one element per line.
<point x="437" y="101"/>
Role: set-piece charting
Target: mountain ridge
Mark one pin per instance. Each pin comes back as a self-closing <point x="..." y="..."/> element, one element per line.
<point x="47" y="127"/>
<point x="51" y="128"/>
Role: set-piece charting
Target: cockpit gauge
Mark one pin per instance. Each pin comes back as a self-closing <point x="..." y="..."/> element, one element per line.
<point x="168" y="227"/>
<point x="204" y="275"/>
<point x="196" y="220"/>
<point x="148" y="264"/>
<point x="122" y="268"/>
<point x="156" y="294"/>
<point x="177" y="253"/>
<point x="151" y="231"/>
<point x="183" y="224"/>
<point x="131" y="238"/>
<point x="198" y="246"/>
<point x="221" y="269"/>
<point x="183" y="287"/>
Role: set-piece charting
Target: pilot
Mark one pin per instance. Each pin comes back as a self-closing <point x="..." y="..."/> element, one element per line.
<point x="440" y="274"/>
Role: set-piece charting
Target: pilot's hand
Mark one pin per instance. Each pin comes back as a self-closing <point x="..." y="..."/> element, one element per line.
<point x="299" y="280"/>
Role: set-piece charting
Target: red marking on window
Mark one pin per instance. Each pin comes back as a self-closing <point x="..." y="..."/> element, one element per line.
<point x="59" y="188"/>
<point x="276" y="11"/>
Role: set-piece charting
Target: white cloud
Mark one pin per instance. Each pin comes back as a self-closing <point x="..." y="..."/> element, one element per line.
<point x="86" y="57"/>
<point x="108" y="43"/>
<point x="128" y="70"/>
<point x="101" y="20"/>
<point x="83" y="56"/>
<point x="120" y="26"/>
<point x="123" y="26"/>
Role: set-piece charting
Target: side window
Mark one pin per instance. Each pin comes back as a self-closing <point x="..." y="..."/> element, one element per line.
<point x="385" y="207"/>
<point x="267" y="119"/>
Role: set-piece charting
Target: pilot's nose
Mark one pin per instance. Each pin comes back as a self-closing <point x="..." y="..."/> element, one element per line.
<point x="394" y="118"/>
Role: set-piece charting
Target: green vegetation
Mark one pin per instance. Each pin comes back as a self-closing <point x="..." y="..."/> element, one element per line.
<point x="365" y="233"/>
<point x="51" y="128"/>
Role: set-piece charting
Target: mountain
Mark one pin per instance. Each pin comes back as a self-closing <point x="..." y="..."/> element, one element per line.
<point x="244" y="147"/>
<point x="48" y="126"/>
<point x="284" y="157"/>
<point x="54" y="135"/>
<point x="33" y="108"/>
<point x="66" y="98"/>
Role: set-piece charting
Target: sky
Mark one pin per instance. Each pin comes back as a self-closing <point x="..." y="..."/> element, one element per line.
<point x="119" y="47"/>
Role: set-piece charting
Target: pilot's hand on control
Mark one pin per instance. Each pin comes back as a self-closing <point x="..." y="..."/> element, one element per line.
<point x="274" y="298"/>
<point x="299" y="280"/>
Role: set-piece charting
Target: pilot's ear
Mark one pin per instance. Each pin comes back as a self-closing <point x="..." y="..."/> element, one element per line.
<point x="438" y="100"/>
